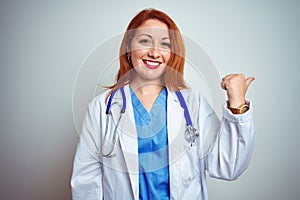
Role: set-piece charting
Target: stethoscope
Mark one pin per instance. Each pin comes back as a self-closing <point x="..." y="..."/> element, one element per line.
<point x="190" y="133"/>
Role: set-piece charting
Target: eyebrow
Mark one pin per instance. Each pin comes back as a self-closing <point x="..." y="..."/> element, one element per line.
<point x="144" y="34"/>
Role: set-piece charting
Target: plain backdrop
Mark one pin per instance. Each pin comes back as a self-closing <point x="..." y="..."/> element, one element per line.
<point x="44" y="45"/>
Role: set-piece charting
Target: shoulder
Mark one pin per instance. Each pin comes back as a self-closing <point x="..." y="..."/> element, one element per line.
<point x="101" y="97"/>
<point x="98" y="101"/>
<point x="192" y="95"/>
<point x="196" y="101"/>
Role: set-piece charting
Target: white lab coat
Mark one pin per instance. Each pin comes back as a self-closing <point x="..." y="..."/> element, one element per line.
<point x="223" y="149"/>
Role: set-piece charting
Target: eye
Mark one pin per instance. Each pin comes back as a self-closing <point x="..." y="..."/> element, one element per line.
<point x="166" y="45"/>
<point x="145" y="41"/>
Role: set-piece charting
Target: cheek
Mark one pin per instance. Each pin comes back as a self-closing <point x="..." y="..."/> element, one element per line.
<point x="166" y="55"/>
<point x="136" y="55"/>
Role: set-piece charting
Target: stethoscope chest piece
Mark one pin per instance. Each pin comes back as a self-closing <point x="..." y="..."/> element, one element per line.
<point x="190" y="134"/>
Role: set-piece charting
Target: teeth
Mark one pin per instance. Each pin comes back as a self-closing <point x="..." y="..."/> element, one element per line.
<point x="152" y="63"/>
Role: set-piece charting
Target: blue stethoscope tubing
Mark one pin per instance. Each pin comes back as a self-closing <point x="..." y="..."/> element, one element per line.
<point x="190" y="134"/>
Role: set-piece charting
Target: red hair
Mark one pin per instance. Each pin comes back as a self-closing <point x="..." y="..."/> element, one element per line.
<point x="173" y="77"/>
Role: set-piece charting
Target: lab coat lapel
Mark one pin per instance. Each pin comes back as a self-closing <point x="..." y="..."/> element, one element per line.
<point x="127" y="137"/>
<point x="177" y="144"/>
<point x="176" y="127"/>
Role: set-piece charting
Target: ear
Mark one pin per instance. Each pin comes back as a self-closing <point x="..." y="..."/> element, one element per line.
<point x="128" y="53"/>
<point x="128" y="57"/>
<point x="127" y="49"/>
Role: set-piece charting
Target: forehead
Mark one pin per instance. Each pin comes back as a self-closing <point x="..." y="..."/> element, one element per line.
<point x="153" y="27"/>
<point x="153" y="23"/>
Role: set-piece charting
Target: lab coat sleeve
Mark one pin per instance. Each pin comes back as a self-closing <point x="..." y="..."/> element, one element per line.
<point x="86" y="181"/>
<point x="233" y="145"/>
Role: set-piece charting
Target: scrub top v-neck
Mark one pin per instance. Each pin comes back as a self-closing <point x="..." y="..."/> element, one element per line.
<point x="152" y="147"/>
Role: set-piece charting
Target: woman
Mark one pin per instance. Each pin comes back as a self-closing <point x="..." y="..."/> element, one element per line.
<point x="145" y="137"/>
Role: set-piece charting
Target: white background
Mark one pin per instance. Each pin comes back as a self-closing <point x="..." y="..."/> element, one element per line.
<point x="44" y="43"/>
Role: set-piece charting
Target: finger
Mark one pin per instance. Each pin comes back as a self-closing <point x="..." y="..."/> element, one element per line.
<point x="223" y="85"/>
<point x="249" y="80"/>
<point x="228" y="76"/>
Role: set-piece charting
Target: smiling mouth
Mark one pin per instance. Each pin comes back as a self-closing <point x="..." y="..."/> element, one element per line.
<point x="152" y="64"/>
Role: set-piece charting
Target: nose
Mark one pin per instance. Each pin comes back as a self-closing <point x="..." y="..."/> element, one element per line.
<point x="154" y="52"/>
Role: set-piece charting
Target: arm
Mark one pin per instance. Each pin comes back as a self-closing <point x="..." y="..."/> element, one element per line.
<point x="234" y="143"/>
<point x="233" y="147"/>
<point x="86" y="181"/>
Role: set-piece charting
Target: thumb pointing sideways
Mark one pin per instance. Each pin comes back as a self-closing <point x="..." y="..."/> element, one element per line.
<point x="248" y="81"/>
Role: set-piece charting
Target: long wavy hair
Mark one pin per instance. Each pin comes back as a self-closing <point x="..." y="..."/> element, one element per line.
<point x="173" y="76"/>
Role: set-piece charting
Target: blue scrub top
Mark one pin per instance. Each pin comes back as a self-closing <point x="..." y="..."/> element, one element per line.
<point x="152" y="147"/>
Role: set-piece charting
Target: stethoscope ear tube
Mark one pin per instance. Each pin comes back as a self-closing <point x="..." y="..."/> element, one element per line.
<point x="109" y="101"/>
<point x="124" y="100"/>
<point x="109" y="154"/>
<point x="190" y="133"/>
<point x="185" y="108"/>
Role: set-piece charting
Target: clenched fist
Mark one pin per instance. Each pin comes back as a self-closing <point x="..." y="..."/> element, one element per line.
<point x="236" y="86"/>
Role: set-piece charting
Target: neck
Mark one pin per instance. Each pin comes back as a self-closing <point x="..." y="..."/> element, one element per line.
<point x="146" y="88"/>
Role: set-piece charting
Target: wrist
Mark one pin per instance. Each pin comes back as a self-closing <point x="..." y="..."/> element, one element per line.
<point x="235" y="103"/>
<point x="242" y="108"/>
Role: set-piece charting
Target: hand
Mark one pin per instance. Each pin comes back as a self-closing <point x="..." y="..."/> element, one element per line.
<point x="236" y="86"/>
